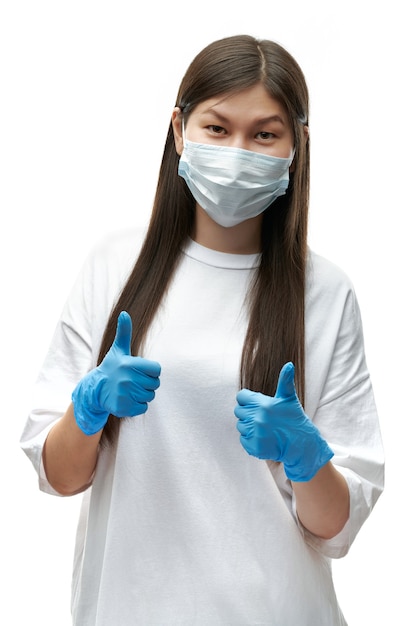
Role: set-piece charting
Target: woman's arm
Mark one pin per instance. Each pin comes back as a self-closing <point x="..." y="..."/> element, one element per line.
<point x="277" y="428"/>
<point x="70" y="456"/>
<point x="323" y="502"/>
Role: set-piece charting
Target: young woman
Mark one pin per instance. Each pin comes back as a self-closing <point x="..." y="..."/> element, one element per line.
<point x="221" y="419"/>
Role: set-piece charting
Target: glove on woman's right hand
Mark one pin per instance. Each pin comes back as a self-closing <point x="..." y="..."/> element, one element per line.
<point x="122" y="385"/>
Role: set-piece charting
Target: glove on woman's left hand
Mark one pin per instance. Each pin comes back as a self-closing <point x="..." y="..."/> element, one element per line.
<point x="277" y="429"/>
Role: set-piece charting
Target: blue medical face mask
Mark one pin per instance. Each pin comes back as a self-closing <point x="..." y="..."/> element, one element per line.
<point x="232" y="184"/>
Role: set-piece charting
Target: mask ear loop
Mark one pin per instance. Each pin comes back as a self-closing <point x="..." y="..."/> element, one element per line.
<point x="183" y="131"/>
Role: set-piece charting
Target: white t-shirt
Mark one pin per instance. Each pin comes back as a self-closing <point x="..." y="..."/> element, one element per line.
<point x="180" y="525"/>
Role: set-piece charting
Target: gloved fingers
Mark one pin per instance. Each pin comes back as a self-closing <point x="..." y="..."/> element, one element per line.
<point x="131" y="402"/>
<point x="245" y="428"/>
<point x="145" y="366"/>
<point x="127" y="392"/>
<point x="251" y="445"/>
<point x="247" y="397"/>
<point x="286" y="386"/>
<point x="142" y="407"/>
<point x="141" y="382"/>
<point x="246" y="445"/>
<point x="137" y="372"/>
<point x="145" y="395"/>
<point x="123" y="336"/>
<point x="243" y="414"/>
<point x="127" y="408"/>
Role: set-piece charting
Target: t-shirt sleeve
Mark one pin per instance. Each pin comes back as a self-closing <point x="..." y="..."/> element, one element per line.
<point x="76" y="341"/>
<point x="343" y="406"/>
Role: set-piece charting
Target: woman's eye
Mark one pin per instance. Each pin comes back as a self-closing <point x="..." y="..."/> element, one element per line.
<point x="265" y="135"/>
<point x="217" y="130"/>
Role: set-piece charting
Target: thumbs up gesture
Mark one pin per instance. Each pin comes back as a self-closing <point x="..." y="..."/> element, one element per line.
<point x="122" y="385"/>
<point x="278" y="429"/>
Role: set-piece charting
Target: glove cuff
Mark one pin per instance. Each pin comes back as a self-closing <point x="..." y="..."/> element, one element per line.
<point x="303" y="472"/>
<point x="89" y="418"/>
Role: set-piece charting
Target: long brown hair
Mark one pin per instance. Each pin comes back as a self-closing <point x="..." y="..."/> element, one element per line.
<point x="275" y="331"/>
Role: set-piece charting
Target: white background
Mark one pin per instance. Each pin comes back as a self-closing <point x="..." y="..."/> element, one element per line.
<point x="87" y="90"/>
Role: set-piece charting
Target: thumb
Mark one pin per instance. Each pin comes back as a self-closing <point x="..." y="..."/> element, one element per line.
<point x="286" y="386"/>
<point x="123" y="333"/>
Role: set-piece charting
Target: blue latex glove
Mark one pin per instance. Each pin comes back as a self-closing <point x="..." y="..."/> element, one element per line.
<point x="122" y="385"/>
<point x="277" y="429"/>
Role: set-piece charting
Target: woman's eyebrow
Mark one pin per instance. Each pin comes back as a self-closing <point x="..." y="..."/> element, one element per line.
<point x="271" y="118"/>
<point x="262" y="120"/>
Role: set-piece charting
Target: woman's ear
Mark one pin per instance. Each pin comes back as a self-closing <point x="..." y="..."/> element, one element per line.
<point x="176" y="121"/>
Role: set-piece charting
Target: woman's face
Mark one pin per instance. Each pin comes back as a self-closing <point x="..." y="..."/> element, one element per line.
<point x="250" y="119"/>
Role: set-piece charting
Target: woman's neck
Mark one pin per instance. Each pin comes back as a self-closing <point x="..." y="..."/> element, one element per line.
<point x="245" y="238"/>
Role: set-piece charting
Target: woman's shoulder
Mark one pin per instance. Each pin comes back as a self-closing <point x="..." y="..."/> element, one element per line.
<point x="115" y="253"/>
<point x="321" y="270"/>
<point x="326" y="280"/>
<point x="125" y="242"/>
<point x="111" y="258"/>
